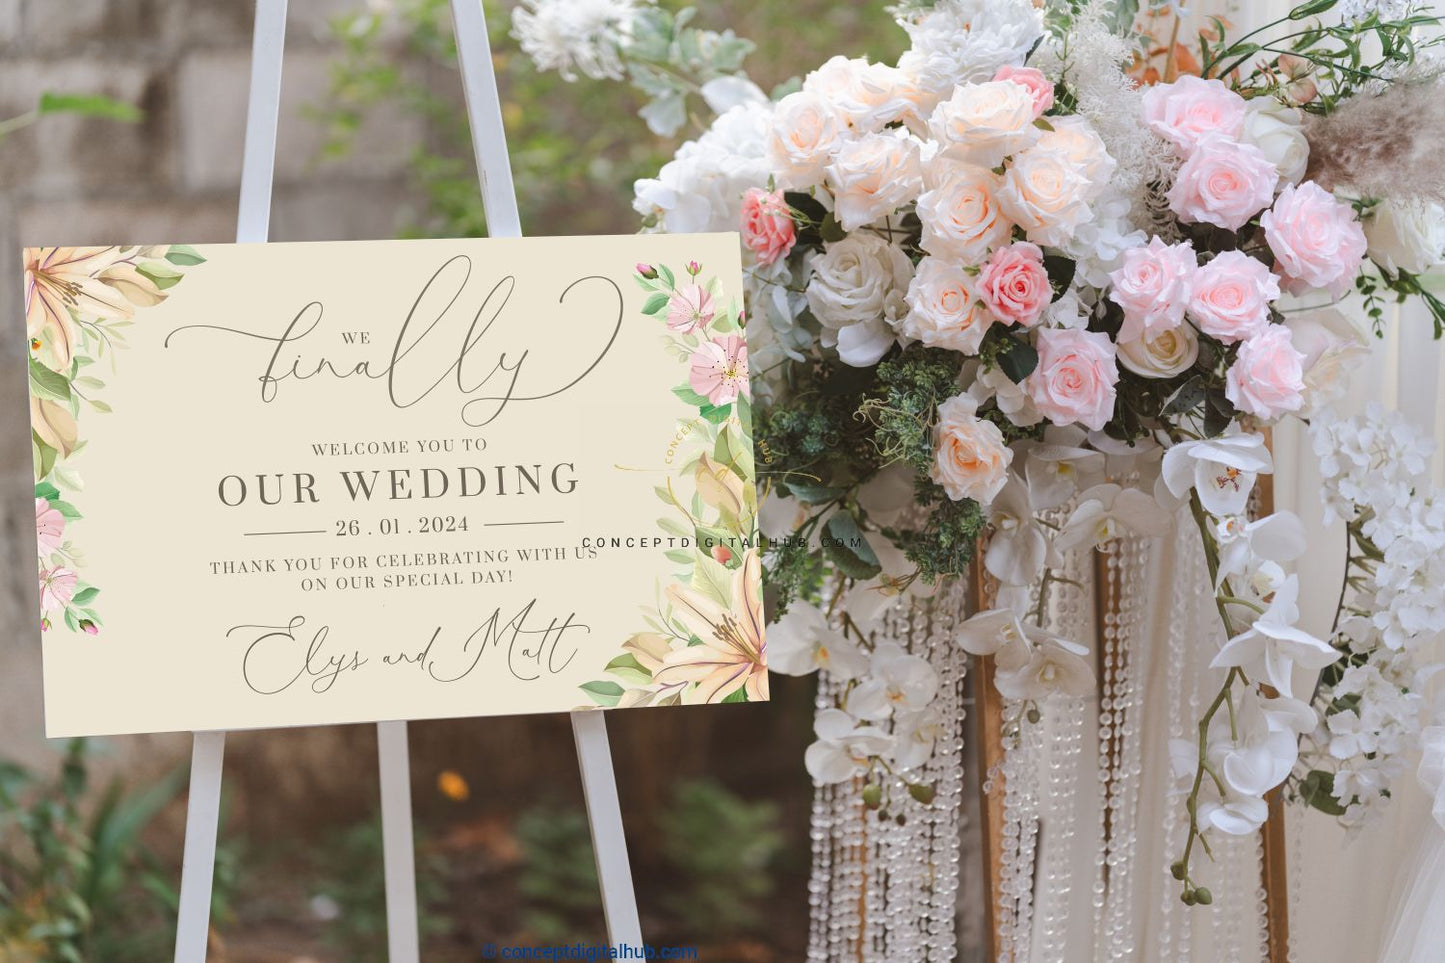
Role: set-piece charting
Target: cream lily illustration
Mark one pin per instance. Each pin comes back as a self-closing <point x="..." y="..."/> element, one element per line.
<point x="60" y="281"/>
<point x="732" y="655"/>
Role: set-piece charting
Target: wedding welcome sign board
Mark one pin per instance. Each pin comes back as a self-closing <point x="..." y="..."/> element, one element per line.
<point x="294" y="484"/>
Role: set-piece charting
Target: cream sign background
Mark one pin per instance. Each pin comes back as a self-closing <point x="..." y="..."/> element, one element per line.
<point x="309" y="483"/>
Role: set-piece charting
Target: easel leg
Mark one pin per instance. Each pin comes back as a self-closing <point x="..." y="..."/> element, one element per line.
<point x="198" y="866"/>
<point x="604" y="814"/>
<point x="403" y="938"/>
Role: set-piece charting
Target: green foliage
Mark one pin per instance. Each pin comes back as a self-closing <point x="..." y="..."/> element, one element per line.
<point x="902" y="410"/>
<point x="814" y="432"/>
<point x="80" y="105"/>
<point x="559" y="877"/>
<point x="946" y="543"/>
<point x="78" y="883"/>
<point x="723" y="846"/>
<point x="348" y="873"/>
<point x="792" y="573"/>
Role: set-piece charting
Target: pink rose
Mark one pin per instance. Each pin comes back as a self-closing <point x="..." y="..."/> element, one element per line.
<point x="720" y="369"/>
<point x="1075" y="378"/>
<point x="689" y="309"/>
<point x="1317" y="241"/>
<point x="768" y="229"/>
<point x="49" y="527"/>
<point x="1033" y="80"/>
<point x="1223" y="182"/>
<point x="1191" y="109"/>
<point x="1014" y="284"/>
<point x="1267" y="377"/>
<point x="1152" y="285"/>
<point x="1231" y="297"/>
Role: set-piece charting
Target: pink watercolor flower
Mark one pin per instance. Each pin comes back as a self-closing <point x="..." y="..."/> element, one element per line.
<point x="722" y="554"/>
<point x="1192" y="109"/>
<point x="690" y="309"/>
<point x="767" y="226"/>
<point x="720" y="369"/>
<point x="1014" y="285"/>
<point x="57" y="588"/>
<point x="1152" y="285"/>
<point x="1224" y="182"/>
<point x="1267" y="377"/>
<point x="1033" y="80"/>
<point x="1231" y="296"/>
<point x="1075" y="378"/>
<point x="1317" y="240"/>
<point x="646" y="270"/>
<point x="49" y="527"/>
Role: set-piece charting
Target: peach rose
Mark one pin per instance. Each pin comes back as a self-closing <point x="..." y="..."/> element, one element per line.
<point x="1191" y="109"/>
<point x="1153" y="285"/>
<point x="970" y="459"/>
<point x="804" y="137"/>
<point x="1080" y="143"/>
<point x="767" y="228"/>
<point x="961" y="214"/>
<point x="1224" y="183"/>
<point x="1033" y="80"/>
<point x="1231" y="297"/>
<point x="1014" y="284"/>
<point x="874" y="176"/>
<point x="865" y="97"/>
<point x="1267" y="377"/>
<point x="944" y="307"/>
<point x="1075" y="377"/>
<point x="1317" y="240"/>
<point x="1046" y="194"/>
<point x="984" y="123"/>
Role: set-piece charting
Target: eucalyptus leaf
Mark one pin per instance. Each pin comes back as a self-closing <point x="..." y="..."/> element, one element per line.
<point x="848" y="549"/>
<point x="603" y="693"/>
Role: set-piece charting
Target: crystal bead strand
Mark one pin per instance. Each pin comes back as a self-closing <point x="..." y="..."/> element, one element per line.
<point x="1174" y="943"/>
<point x="1108" y="660"/>
<point x="1130" y="573"/>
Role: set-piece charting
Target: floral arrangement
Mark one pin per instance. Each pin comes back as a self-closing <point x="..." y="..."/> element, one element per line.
<point x="78" y="303"/>
<point x="704" y="640"/>
<point x="1003" y="293"/>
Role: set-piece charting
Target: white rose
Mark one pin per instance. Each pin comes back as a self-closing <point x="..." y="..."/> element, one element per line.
<point x="1165" y="355"/>
<point x="866" y="97"/>
<point x="856" y="292"/>
<point x="1278" y="131"/>
<point x="945" y="310"/>
<point x="1080" y="143"/>
<point x="1406" y="237"/>
<point x="804" y="137"/>
<point x="1332" y="347"/>
<point x="1046" y="194"/>
<point x="874" y="176"/>
<point x="961" y="214"/>
<point x="984" y="123"/>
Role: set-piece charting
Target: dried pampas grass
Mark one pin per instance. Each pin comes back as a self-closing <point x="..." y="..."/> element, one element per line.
<point x="1387" y="144"/>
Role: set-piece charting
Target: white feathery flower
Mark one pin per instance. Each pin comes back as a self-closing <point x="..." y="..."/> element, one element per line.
<point x="588" y="35"/>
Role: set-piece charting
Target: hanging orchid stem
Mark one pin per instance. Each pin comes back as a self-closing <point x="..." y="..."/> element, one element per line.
<point x="1225" y="697"/>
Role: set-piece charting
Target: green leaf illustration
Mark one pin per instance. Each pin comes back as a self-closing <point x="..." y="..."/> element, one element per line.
<point x="47" y="383"/>
<point x="628" y="669"/>
<point x="603" y="693"/>
<point x="655" y="303"/>
<point x="184" y="255"/>
<point x="711" y="578"/>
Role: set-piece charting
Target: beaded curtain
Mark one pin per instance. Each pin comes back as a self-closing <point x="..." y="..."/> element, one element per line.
<point x="1092" y="816"/>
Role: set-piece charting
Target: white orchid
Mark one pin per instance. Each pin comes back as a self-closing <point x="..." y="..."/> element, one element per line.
<point x="1270" y="648"/>
<point x="802" y="642"/>
<point x="1222" y="470"/>
<point x="1030" y="662"/>
<point x="914" y="734"/>
<point x="1255" y="748"/>
<point x="1059" y="465"/>
<point x="1018" y="549"/>
<point x="844" y="748"/>
<point x="897" y="680"/>
<point x="1106" y="512"/>
<point x="1244" y="545"/>
<point x="1051" y="665"/>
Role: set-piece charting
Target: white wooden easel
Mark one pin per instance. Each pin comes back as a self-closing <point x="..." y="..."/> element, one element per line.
<point x="619" y="904"/>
